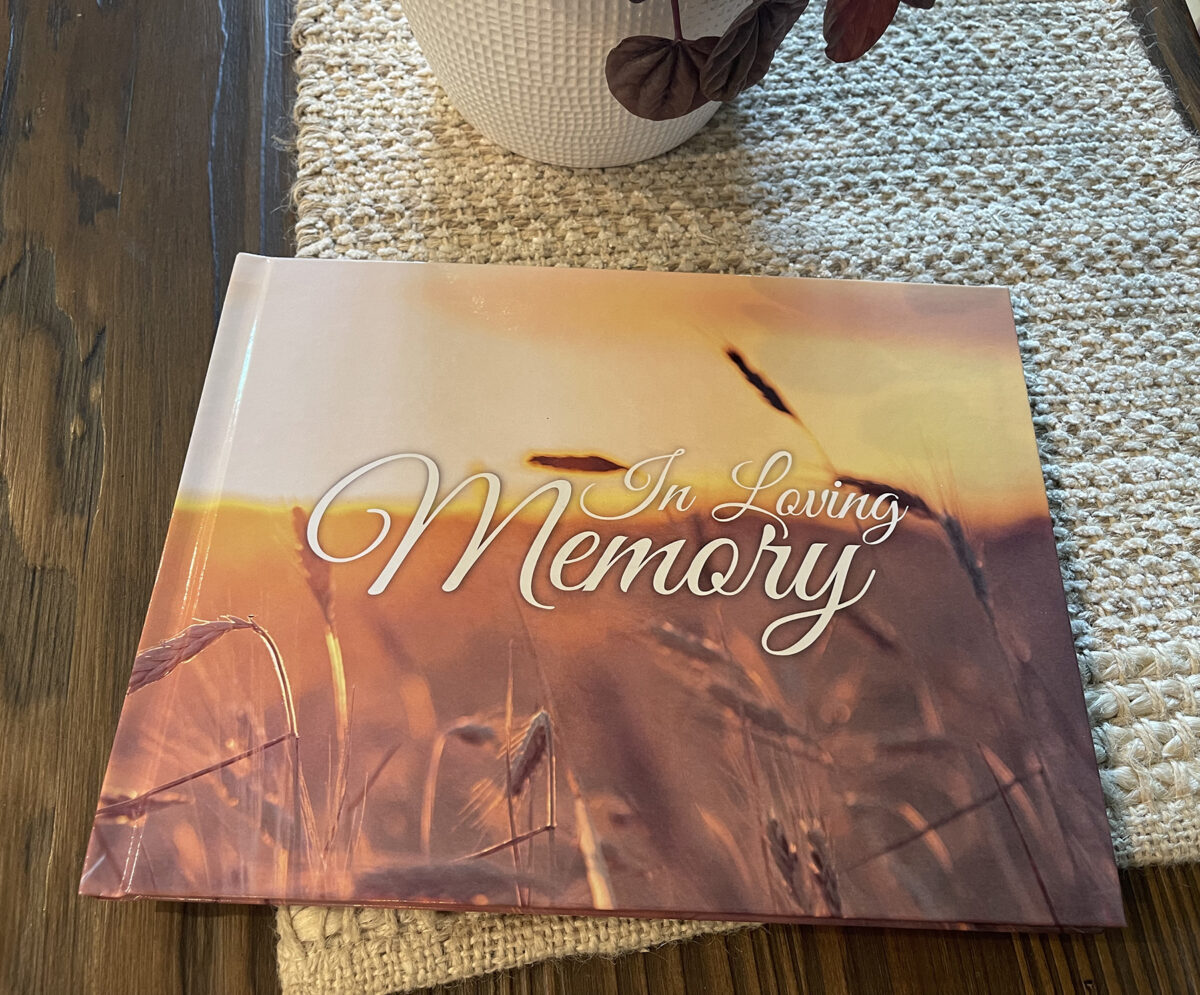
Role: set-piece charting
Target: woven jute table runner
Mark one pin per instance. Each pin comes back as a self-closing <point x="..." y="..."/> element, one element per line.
<point x="1027" y="144"/>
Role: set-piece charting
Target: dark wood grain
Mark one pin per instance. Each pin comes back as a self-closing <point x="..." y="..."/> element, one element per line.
<point x="141" y="147"/>
<point x="137" y="155"/>
<point x="1158" y="953"/>
<point x="1173" y="43"/>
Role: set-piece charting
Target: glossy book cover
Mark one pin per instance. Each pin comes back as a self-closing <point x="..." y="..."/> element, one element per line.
<point x="580" y="591"/>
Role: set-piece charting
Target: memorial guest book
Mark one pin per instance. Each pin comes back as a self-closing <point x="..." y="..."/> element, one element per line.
<point x="610" y="592"/>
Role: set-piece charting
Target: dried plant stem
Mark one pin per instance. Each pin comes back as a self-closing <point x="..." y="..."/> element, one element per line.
<point x="316" y="572"/>
<point x="678" y="23"/>
<point x="337" y="672"/>
<point x="516" y="841"/>
<point x="281" y="674"/>
<point x="732" y="849"/>
<point x="356" y="823"/>
<point x="599" y="882"/>
<point x="299" y="785"/>
<point x="465" y="730"/>
<point x="130" y="806"/>
<point x="935" y="825"/>
<point x="508" y="773"/>
<point x="1003" y="788"/>
<point x="341" y="785"/>
<point x="427" y="800"/>
<point x="552" y="794"/>
<point x="756" y="786"/>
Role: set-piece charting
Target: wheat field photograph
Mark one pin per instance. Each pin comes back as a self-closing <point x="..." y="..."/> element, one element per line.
<point x="514" y="606"/>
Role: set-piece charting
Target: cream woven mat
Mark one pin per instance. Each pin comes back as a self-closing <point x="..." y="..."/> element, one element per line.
<point x="1029" y="144"/>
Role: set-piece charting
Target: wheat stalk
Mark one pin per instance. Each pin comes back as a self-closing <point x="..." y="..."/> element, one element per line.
<point x="766" y="719"/>
<point x="1007" y="782"/>
<point x="465" y="730"/>
<point x="529" y="753"/>
<point x="133" y="806"/>
<point x="821" y="867"/>
<point x="812" y="859"/>
<point x="281" y="674"/>
<point x="598" y="879"/>
<point x="749" y="700"/>
<point x="514" y="842"/>
<point x="299" y="784"/>
<point x="875" y="488"/>
<point x="970" y="560"/>
<point x="722" y="834"/>
<point x="340" y="787"/>
<point x="317" y="574"/>
<point x="522" y="761"/>
<point x="690" y="644"/>
<point x="508" y="778"/>
<point x="123" y="807"/>
<point x="952" y="528"/>
<point x="317" y="571"/>
<point x="766" y="390"/>
<point x="599" y="882"/>
<point x="925" y="828"/>
<point x="590" y="463"/>
<point x="159" y="661"/>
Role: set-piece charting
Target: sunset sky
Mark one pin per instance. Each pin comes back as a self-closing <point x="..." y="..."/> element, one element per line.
<point x="339" y="364"/>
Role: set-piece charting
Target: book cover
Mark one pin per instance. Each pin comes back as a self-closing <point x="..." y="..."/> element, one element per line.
<point x="642" y="593"/>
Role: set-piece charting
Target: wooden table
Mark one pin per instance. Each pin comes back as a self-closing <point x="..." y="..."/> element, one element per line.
<point x="142" y="144"/>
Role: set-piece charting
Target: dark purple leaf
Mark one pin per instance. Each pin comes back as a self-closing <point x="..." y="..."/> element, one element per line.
<point x="853" y="26"/>
<point x="658" y="78"/>
<point x="744" y="52"/>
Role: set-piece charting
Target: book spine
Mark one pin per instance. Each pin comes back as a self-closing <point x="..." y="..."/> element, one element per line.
<point x="216" y="418"/>
<point x="213" y="435"/>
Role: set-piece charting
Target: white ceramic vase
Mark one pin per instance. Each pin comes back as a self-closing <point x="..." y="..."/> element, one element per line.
<point x="529" y="74"/>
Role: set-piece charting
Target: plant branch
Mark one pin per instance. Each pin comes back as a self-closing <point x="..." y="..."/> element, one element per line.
<point x="508" y="785"/>
<point x="944" y="821"/>
<point x="599" y="883"/>
<point x="516" y="841"/>
<point x="285" y="685"/>
<point x="129" y="806"/>
<point x="427" y="800"/>
<point x="300" y="785"/>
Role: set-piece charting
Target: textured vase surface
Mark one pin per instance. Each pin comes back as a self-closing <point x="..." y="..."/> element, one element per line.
<point x="529" y="74"/>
